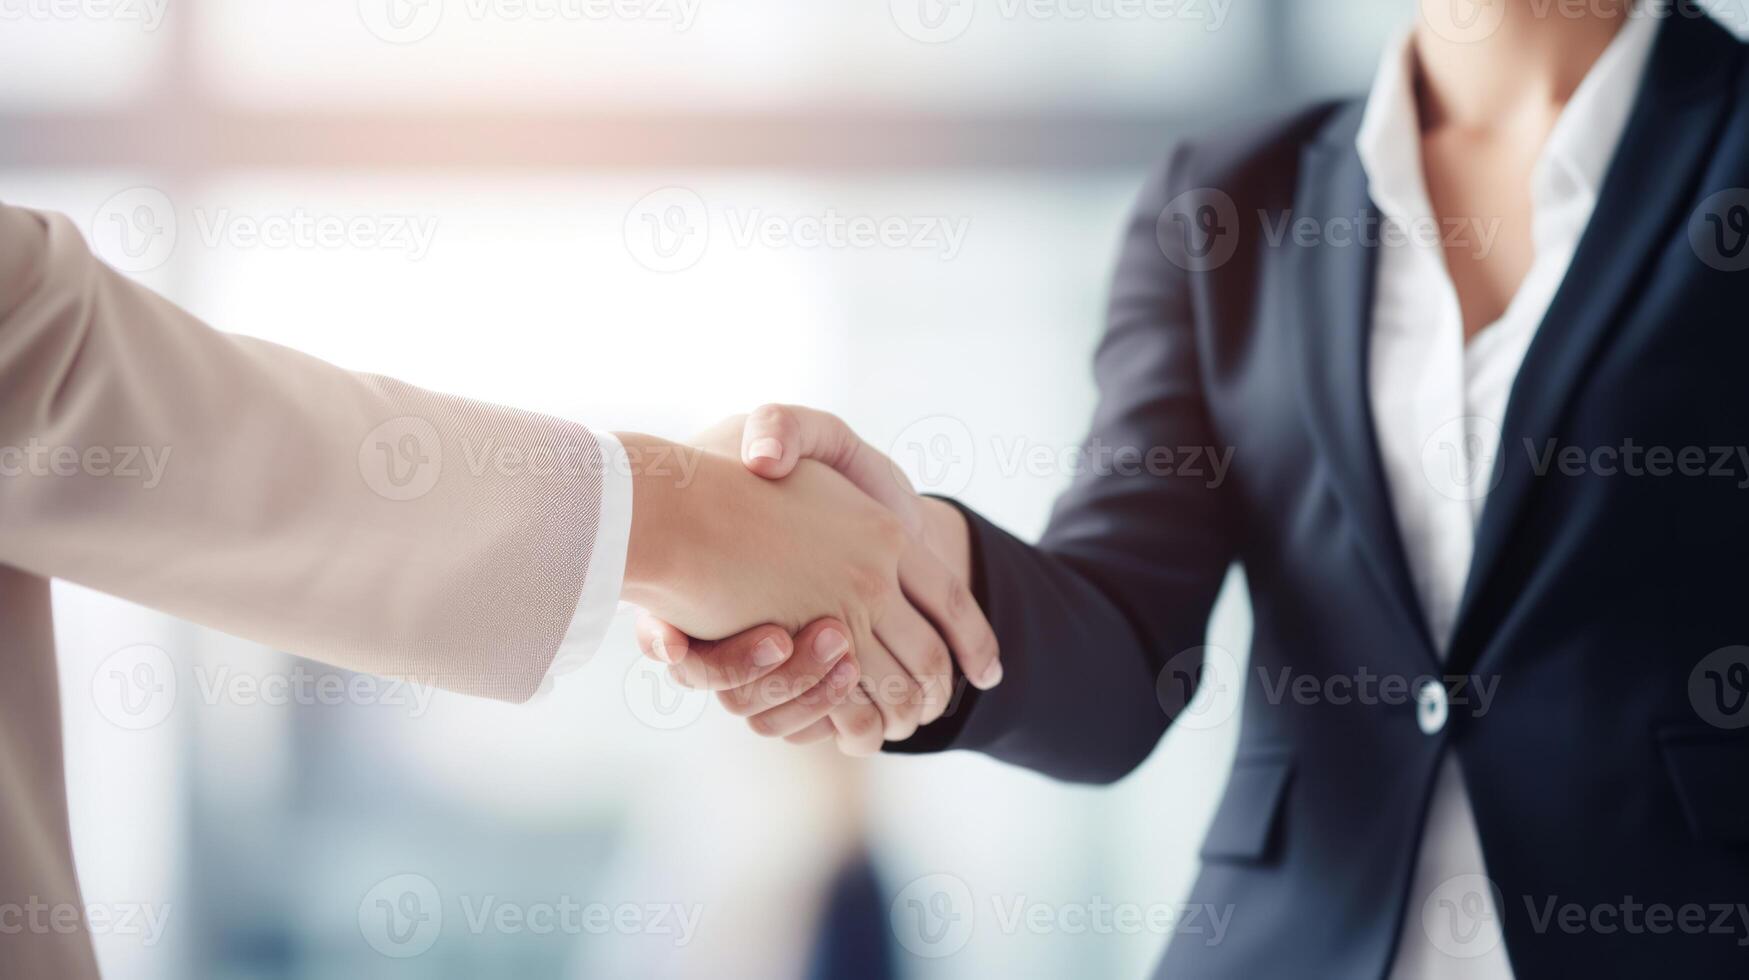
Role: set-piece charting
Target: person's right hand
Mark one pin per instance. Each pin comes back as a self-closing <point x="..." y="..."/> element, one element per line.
<point x="722" y="550"/>
<point x="775" y="439"/>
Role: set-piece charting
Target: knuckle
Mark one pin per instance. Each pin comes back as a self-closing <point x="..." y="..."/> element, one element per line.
<point x="890" y="530"/>
<point x="869" y="583"/>
<point x="859" y="723"/>
<point x="737" y="702"/>
<point x="959" y="599"/>
<point x="904" y="725"/>
<point x="837" y="431"/>
<point x="937" y="694"/>
<point x="772" y="416"/>
<point x="737" y="673"/>
<point x="932" y="713"/>
<point x="905" y="710"/>
<point x="937" y="661"/>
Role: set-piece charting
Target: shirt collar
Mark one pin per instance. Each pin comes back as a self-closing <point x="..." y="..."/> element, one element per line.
<point x="1579" y="148"/>
<point x="1585" y="138"/>
<point x="1390" y="135"/>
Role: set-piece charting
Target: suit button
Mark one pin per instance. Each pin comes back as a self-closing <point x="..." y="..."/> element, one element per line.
<point x="1431" y="708"/>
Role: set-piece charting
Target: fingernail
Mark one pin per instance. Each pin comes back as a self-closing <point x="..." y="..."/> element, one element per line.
<point x="768" y="653"/>
<point x="843" y="674"/>
<point x="992" y="677"/>
<point x="830" y="645"/>
<point x="659" y="650"/>
<point x="765" y="449"/>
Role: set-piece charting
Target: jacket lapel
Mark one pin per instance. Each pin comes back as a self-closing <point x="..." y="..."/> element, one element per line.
<point x="1644" y="200"/>
<point x="1328" y="313"/>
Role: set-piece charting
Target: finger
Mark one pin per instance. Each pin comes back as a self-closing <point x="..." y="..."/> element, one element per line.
<point x="944" y="597"/>
<point x="916" y="645"/>
<point x="776" y="437"/>
<point x="887" y="684"/>
<point x="813" y="705"/>
<point x="819" y="647"/>
<point x="819" y="731"/>
<point x="857" y="725"/>
<point x="737" y="661"/>
<point x="662" y="642"/>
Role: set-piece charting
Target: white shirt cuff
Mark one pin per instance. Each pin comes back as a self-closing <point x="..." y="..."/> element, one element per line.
<point x="599" y="599"/>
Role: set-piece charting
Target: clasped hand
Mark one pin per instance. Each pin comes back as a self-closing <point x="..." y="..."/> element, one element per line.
<point x="796" y="573"/>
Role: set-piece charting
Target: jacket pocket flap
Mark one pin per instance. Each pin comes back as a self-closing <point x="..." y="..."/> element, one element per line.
<point x="1245" y="821"/>
<point x="1711" y="773"/>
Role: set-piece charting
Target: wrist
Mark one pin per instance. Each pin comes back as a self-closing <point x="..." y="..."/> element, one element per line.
<point x="948" y="536"/>
<point x="659" y="518"/>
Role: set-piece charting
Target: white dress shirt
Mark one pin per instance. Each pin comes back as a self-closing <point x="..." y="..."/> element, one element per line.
<point x="1438" y="403"/>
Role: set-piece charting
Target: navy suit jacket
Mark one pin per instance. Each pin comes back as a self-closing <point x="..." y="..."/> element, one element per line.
<point x="1608" y="770"/>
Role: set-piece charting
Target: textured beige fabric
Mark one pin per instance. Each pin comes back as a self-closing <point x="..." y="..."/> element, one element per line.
<point x="343" y="517"/>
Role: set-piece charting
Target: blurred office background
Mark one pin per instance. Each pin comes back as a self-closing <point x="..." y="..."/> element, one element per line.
<point x="606" y="211"/>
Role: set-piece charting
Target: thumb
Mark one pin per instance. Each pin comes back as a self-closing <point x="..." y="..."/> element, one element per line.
<point x="777" y="437"/>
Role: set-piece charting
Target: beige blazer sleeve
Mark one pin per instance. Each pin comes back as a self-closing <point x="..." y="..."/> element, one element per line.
<point x="235" y="483"/>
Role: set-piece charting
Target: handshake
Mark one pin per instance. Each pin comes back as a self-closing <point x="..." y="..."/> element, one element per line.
<point x="799" y="576"/>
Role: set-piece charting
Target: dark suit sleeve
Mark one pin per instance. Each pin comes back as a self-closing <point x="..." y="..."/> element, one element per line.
<point x="1123" y="578"/>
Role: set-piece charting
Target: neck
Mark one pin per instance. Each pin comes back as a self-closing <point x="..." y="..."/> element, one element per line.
<point x="1531" y="63"/>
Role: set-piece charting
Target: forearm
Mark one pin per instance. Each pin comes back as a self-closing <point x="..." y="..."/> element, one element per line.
<point x="244" y="486"/>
